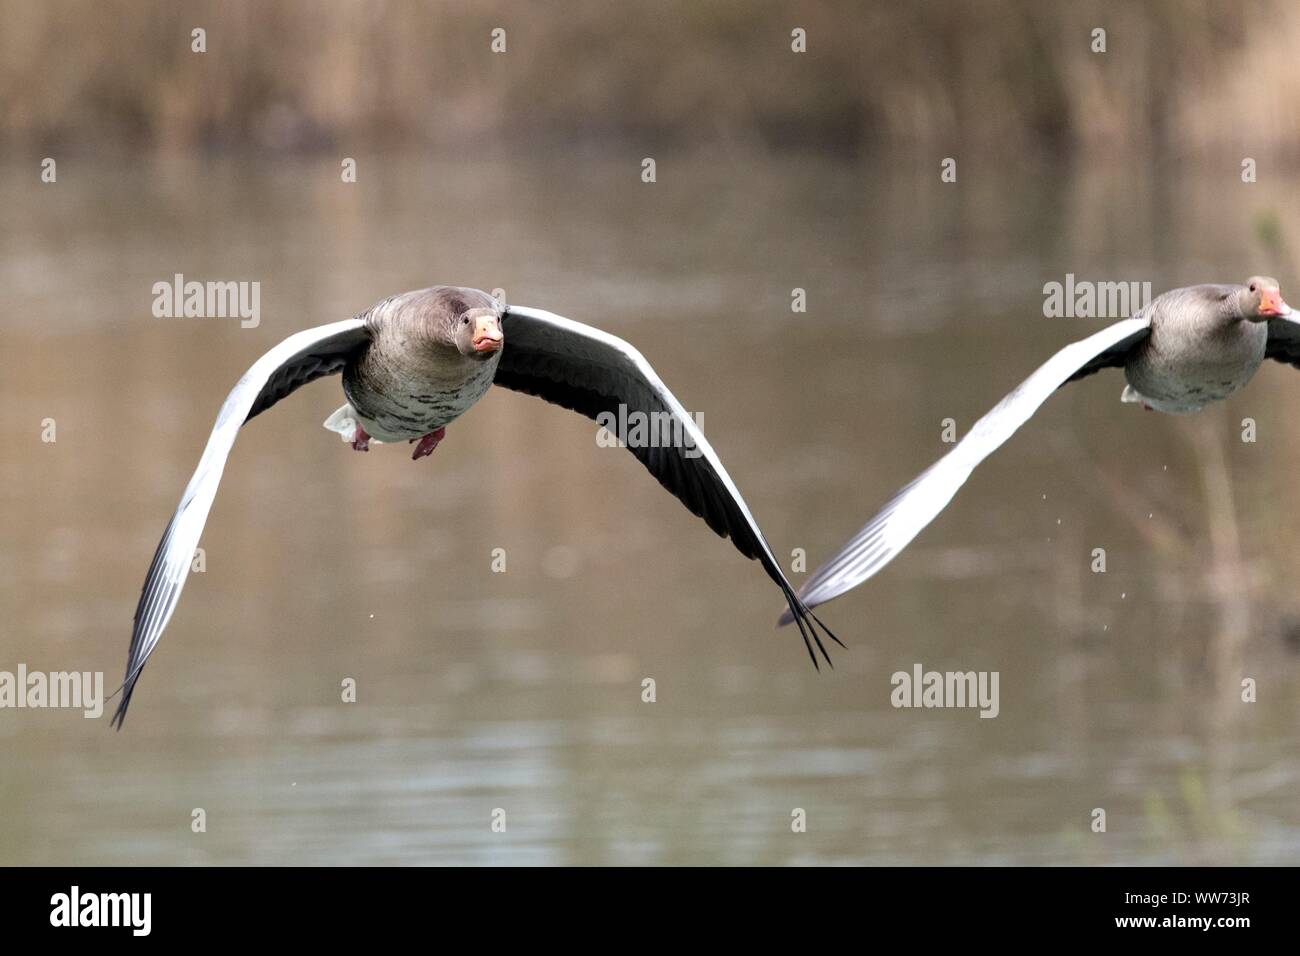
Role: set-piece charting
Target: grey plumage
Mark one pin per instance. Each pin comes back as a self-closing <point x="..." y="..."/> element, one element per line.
<point x="414" y="363"/>
<point x="1187" y="348"/>
<point x="411" y="380"/>
<point x="1201" y="349"/>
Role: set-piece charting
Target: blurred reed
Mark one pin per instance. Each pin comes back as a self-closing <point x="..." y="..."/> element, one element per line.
<point x="1178" y="75"/>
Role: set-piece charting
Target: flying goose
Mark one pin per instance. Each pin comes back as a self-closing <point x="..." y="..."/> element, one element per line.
<point x="1186" y="348"/>
<point x="414" y="363"/>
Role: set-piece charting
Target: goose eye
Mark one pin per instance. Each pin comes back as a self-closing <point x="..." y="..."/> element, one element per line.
<point x="1252" y="287"/>
<point x="465" y="321"/>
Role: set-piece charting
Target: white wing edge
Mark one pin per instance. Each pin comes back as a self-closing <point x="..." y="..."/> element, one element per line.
<point x="919" y="503"/>
<point x="167" y="576"/>
<point x="652" y="379"/>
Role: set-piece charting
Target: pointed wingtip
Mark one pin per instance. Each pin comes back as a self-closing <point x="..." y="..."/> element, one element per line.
<point x="829" y="632"/>
<point x="808" y="623"/>
<point x="127" y="688"/>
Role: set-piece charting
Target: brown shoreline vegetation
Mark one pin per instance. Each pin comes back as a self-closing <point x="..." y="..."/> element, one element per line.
<point x="1177" y="77"/>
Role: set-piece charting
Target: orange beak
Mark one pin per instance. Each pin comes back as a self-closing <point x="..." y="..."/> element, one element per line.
<point x="487" y="334"/>
<point x="1270" y="303"/>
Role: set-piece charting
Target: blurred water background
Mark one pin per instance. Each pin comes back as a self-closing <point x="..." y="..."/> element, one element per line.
<point x="522" y="690"/>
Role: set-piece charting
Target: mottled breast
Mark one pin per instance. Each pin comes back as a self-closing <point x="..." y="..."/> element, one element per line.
<point x="406" y="384"/>
<point x="1186" y="367"/>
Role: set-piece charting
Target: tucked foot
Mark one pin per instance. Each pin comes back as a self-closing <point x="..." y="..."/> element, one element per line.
<point x="1131" y="396"/>
<point x="360" y="440"/>
<point x="428" y="443"/>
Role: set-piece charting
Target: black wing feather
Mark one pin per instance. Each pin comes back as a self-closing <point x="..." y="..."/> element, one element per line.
<point x="697" y="488"/>
<point x="1115" y="357"/>
<point x="1283" y="341"/>
<point x="297" y="360"/>
<point x="589" y="372"/>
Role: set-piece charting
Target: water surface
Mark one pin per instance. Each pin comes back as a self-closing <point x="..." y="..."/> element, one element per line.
<point x="523" y="691"/>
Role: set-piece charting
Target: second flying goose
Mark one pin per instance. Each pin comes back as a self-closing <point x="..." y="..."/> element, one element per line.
<point x="1186" y="348"/>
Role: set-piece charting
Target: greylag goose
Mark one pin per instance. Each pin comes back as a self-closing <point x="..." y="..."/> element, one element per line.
<point x="414" y="363"/>
<point x="1186" y="348"/>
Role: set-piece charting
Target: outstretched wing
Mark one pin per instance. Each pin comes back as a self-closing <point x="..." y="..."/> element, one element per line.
<point x="1117" y="355"/>
<point x="595" y="373"/>
<point x="919" y="502"/>
<point x="299" y="359"/>
<point x="1284" y="340"/>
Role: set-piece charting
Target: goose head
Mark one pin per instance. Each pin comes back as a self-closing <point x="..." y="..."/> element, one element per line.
<point x="1260" y="299"/>
<point x="477" y="332"/>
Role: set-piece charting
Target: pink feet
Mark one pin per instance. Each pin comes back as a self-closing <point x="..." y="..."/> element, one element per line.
<point x="428" y="443"/>
<point x="361" y="442"/>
